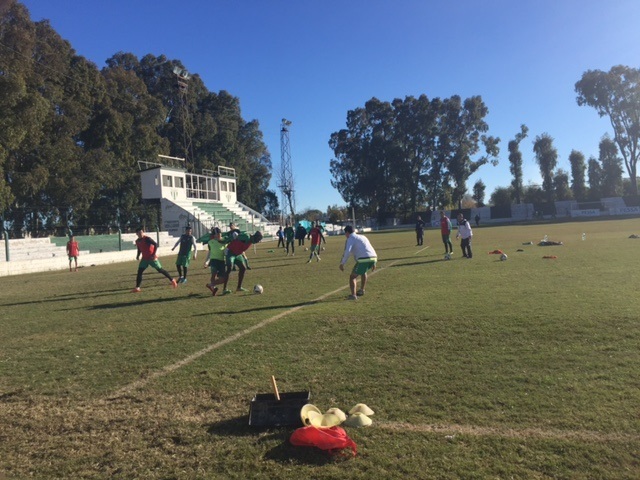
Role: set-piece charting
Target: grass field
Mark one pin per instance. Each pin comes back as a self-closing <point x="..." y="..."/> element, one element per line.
<point x="528" y="368"/>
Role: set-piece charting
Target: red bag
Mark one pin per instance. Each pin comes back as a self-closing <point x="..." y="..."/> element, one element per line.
<point x="331" y="439"/>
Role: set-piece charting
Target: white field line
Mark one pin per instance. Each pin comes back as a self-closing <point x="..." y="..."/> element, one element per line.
<point x="451" y="430"/>
<point x="191" y="358"/>
<point x="422" y="249"/>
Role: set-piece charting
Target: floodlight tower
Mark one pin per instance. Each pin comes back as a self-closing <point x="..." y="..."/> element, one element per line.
<point x="287" y="190"/>
<point x="182" y="77"/>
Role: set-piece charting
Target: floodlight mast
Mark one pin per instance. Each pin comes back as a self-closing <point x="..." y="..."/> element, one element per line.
<point x="182" y="83"/>
<point x="287" y="190"/>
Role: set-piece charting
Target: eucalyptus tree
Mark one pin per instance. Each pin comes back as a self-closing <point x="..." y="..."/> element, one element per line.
<point x="55" y="95"/>
<point x="21" y="104"/>
<point x="616" y="94"/>
<point x="415" y="136"/>
<point x="125" y="131"/>
<point x="611" y="163"/>
<point x="364" y="151"/>
<point x="501" y="197"/>
<point x="561" y="188"/>
<point x="594" y="174"/>
<point x="515" y="162"/>
<point x="547" y="159"/>
<point x="479" y="189"/>
<point x="461" y="137"/>
<point x="578" y="169"/>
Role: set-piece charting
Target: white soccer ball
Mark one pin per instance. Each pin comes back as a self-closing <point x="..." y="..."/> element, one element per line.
<point x="503" y="257"/>
<point x="258" y="289"/>
<point x="447" y="256"/>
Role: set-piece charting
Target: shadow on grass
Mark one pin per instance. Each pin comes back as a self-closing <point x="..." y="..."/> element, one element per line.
<point x="258" y="309"/>
<point x="67" y="297"/>
<point x="151" y="301"/>
<point x="282" y="453"/>
<point x="423" y="262"/>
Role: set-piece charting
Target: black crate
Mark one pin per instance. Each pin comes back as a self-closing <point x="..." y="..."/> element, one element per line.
<point x="266" y="411"/>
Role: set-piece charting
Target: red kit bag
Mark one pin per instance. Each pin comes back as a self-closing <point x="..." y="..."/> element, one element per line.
<point x="331" y="439"/>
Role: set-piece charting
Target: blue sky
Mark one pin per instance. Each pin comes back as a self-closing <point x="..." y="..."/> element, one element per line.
<point x="313" y="61"/>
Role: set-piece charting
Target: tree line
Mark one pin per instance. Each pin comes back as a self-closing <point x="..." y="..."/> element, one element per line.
<point x="399" y="157"/>
<point x="71" y="135"/>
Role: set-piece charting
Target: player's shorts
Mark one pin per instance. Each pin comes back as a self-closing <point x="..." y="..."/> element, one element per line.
<point x="363" y="265"/>
<point x="446" y="238"/>
<point x="149" y="263"/>
<point x="72" y="258"/>
<point x="218" y="266"/>
<point x="184" y="260"/>
<point x="315" y="248"/>
<point x="235" y="260"/>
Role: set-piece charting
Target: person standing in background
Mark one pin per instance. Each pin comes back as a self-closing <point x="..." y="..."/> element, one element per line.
<point x="445" y="231"/>
<point x="419" y="231"/>
<point x="73" y="251"/>
<point x="464" y="234"/>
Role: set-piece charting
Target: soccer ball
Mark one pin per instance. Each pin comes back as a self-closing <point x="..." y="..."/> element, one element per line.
<point x="258" y="289"/>
<point x="447" y="256"/>
<point x="503" y="257"/>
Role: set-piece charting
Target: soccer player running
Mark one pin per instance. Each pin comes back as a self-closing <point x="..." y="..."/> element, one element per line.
<point x="316" y="237"/>
<point x="216" y="258"/>
<point x="73" y="251"/>
<point x="187" y="243"/>
<point x="365" y="257"/>
<point x="234" y="257"/>
<point x="445" y="231"/>
<point x="148" y="249"/>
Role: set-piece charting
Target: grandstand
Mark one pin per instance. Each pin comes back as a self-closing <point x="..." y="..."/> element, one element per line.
<point x="199" y="200"/>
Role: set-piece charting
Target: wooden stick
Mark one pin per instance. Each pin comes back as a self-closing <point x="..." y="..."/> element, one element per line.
<point x="275" y="387"/>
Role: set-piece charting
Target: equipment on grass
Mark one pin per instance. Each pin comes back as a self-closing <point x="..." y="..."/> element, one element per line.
<point x="278" y="409"/>
<point x="258" y="289"/>
<point x="447" y="256"/>
<point x="358" y="419"/>
<point x="361" y="408"/>
<point x="503" y="257"/>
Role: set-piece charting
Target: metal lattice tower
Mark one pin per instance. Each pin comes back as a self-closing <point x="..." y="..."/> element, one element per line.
<point x="185" y="119"/>
<point x="287" y="190"/>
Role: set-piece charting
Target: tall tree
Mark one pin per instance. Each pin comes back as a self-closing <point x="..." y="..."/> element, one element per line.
<point x="547" y="159"/>
<point x="479" y="189"/>
<point x="501" y="197"/>
<point x="461" y="136"/>
<point x="578" y="169"/>
<point x="616" y="94"/>
<point x="594" y="174"/>
<point x="394" y="157"/>
<point x="561" y="187"/>
<point x="364" y="151"/>
<point x="611" y="180"/>
<point x="515" y="162"/>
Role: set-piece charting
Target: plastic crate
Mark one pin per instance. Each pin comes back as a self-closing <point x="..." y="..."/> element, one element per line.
<point x="266" y="411"/>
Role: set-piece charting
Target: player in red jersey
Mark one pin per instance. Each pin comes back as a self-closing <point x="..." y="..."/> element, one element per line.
<point x="148" y="249"/>
<point x="73" y="251"/>
<point x="316" y="237"/>
<point x="235" y="250"/>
